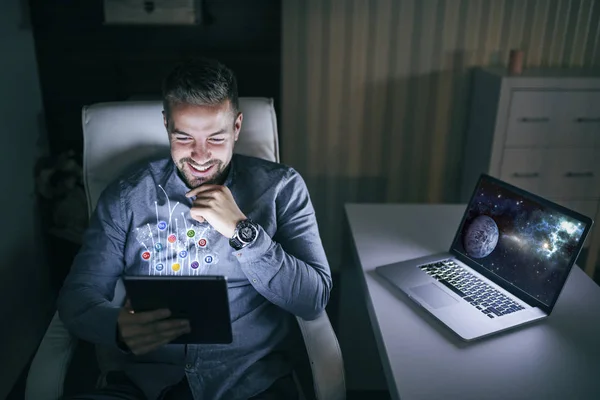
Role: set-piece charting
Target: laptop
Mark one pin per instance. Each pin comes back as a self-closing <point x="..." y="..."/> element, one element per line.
<point x="508" y="263"/>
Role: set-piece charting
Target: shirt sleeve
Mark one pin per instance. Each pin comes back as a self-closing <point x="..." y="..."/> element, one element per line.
<point x="290" y="269"/>
<point x="84" y="302"/>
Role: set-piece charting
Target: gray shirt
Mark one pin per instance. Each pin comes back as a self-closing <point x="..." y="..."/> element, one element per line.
<point x="142" y="226"/>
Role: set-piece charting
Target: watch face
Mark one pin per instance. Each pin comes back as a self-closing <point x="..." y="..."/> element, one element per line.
<point x="246" y="234"/>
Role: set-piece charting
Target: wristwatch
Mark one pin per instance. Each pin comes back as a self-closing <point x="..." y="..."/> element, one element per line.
<point x="245" y="234"/>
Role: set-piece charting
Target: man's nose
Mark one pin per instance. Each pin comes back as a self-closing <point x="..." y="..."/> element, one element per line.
<point x="201" y="154"/>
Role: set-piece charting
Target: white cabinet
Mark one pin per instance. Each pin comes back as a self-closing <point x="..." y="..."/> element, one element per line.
<point x="539" y="131"/>
<point x="530" y="118"/>
<point x="524" y="167"/>
<point x="579" y="123"/>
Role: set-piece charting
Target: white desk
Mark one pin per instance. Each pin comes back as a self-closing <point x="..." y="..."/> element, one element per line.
<point x="558" y="358"/>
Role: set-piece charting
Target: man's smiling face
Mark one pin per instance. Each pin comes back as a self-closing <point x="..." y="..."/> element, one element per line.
<point x="202" y="140"/>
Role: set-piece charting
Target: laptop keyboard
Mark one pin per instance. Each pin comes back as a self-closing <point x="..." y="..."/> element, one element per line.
<point x="479" y="294"/>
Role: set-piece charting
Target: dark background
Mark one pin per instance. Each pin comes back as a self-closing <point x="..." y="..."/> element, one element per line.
<point x="83" y="61"/>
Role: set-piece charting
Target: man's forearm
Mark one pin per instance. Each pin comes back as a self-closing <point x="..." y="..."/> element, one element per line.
<point x="87" y="317"/>
<point x="84" y="303"/>
<point x="300" y="287"/>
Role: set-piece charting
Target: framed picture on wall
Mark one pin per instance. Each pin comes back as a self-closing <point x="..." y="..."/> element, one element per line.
<point x="151" y="12"/>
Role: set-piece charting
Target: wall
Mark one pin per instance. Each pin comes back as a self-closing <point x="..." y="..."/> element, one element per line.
<point x="375" y="92"/>
<point x="24" y="285"/>
<point x="83" y="61"/>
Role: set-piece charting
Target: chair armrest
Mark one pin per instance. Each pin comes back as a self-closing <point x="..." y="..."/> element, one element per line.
<point x="48" y="369"/>
<point x="325" y="358"/>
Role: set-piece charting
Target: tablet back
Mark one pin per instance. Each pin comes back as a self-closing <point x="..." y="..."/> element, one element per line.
<point x="201" y="299"/>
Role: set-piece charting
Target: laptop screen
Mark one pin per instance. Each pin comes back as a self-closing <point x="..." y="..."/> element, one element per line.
<point x="528" y="243"/>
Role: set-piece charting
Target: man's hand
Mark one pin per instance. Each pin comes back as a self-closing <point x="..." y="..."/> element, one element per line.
<point x="215" y="205"/>
<point x="146" y="331"/>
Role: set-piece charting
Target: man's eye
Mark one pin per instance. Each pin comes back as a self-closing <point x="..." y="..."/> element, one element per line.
<point x="182" y="138"/>
<point x="217" y="140"/>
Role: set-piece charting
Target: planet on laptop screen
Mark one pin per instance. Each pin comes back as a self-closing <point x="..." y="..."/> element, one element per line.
<point x="526" y="243"/>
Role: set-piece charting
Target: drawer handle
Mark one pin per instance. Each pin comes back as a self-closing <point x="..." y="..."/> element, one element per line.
<point x="535" y="120"/>
<point x="587" y="120"/>
<point x="587" y="174"/>
<point x="526" y="174"/>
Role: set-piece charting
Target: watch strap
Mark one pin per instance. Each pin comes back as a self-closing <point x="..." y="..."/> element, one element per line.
<point x="235" y="243"/>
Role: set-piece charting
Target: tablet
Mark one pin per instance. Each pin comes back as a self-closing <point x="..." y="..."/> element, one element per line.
<point x="203" y="300"/>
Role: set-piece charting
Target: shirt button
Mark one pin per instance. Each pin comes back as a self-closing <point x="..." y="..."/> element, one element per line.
<point x="188" y="366"/>
<point x="254" y="280"/>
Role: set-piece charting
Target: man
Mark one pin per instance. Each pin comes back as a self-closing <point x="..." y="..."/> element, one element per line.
<point x="276" y="270"/>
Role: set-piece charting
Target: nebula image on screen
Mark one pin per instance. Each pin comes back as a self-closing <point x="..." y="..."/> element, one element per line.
<point x="520" y="240"/>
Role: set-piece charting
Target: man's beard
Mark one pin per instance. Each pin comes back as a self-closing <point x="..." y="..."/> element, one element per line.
<point x="217" y="178"/>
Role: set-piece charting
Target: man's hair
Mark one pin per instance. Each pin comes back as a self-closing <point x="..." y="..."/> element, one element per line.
<point x="200" y="82"/>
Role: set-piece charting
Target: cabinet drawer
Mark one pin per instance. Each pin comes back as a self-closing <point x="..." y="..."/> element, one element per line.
<point x="524" y="168"/>
<point x="573" y="173"/>
<point x="578" y="122"/>
<point x="554" y="173"/>
<point x="531" y="119"/>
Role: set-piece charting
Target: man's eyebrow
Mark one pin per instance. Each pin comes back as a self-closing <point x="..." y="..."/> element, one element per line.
<point x="178" y="132"/>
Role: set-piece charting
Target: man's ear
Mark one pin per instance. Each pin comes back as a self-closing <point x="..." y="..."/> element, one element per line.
<point x="237" y="126"/>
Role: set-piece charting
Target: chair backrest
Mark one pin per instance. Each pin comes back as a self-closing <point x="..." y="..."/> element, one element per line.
<point x="120" y="134"/>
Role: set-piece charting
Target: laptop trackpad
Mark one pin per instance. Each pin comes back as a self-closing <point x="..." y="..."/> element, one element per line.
<point x="433" y="295"/>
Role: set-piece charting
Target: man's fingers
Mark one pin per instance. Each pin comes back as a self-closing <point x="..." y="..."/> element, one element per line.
<point x="145" y="344"/>
<point x="197" y="212"/>
<point x="148" y="339"/>
<point x="150" y="347"/>
<point x="149" y="316"/>
<point x="203" y="200"/>
<point x="134" y="330"/>
<point x="203" y="189"/>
